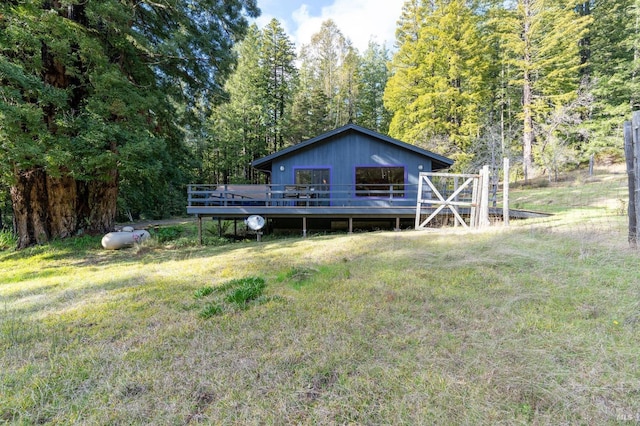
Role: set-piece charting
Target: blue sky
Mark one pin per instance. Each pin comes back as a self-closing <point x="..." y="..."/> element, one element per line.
<point x="359" y="20"/>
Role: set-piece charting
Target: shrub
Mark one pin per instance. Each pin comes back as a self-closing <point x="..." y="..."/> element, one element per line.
<point x="168" y="233"/>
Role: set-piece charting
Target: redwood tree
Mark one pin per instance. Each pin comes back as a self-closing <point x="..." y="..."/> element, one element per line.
<point x="92" y="96"/>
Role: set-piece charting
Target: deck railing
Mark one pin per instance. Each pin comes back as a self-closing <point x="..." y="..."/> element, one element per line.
<point x="233" y="195"/>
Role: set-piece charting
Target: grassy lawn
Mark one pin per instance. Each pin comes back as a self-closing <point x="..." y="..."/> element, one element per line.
<point x="534" y="324"/>
<point x="606" y="190"/>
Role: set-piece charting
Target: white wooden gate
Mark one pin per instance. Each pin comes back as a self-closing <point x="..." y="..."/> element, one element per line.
<point x="472" y="194"/>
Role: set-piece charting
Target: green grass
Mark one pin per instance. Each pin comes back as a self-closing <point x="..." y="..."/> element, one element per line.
<point x="534" y="324"/>
<point x="606" y="192"/>
<point x="238" y="294"/>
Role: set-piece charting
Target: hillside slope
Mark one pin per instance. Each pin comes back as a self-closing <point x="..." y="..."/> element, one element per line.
<point x="537" y="323"/>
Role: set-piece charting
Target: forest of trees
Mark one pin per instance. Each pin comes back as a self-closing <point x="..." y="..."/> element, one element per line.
<point x="109" y="108"/>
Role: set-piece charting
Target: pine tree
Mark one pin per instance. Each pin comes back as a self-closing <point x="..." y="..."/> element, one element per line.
<point x="328" y="67"/>
<point x="501" y="121"/>
<point x="348" y="87"/>
<point x="309" y="113"/>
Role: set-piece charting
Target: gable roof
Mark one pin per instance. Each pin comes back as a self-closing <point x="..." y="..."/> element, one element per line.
<point x="438" y="161"/>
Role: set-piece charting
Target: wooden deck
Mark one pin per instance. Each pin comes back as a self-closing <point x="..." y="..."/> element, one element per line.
<point x="278" y="201"/>
<point x="235" y="201"/>
<point x="395" y="203"/>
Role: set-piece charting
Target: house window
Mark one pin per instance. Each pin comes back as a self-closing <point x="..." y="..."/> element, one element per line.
<point x="312" y="177"/>
<point x="380" y="182"/>
<point x="317" y="182"/>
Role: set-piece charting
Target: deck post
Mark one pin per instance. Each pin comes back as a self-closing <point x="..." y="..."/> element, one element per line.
<point x="397" y="224"/>
<point x="200" y="229"/>
<point x="351" y="225"/>
<point x="304" y="226"/>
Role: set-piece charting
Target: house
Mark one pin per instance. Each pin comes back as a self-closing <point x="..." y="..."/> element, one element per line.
<point x="344" y="174"/>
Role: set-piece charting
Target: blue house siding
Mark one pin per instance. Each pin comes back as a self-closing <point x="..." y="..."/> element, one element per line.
<point x="341" y="152"/>
<point x="352" y="192"/>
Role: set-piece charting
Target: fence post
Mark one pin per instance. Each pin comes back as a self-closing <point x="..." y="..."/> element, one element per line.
<point x="484" y="201"/>
<point x="505" y="193"/>
<point x="419" y="200"/>
<point x="631" y="208"/>
<point x="635" y="133"/>
<point x="455" y="188"/>
<point x="475" y="203"/>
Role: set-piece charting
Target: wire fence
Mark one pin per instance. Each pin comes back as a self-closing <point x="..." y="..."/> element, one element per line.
<point x="580" y="202"/>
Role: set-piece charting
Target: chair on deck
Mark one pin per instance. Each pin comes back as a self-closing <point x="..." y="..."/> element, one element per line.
<point x="297" y="193"/>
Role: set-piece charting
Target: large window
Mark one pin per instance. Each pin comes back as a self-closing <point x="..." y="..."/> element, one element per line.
<point x="380" y="182"/>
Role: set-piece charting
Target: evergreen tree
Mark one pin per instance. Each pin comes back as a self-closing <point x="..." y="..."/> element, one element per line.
<point x="372" y="79"/>
<point x="502" y="127"/>
<point x="255" y="119"/>
<point x="277" y="61"/>
<point x="410" y="24"/>
<point x="348" y="87"/>
<point x="309" y="113"/>
<point x="543" y="41"/>
<point x="614" y="46"/>
<point x="90" y="94"/>
<point x="238" y="126"/>
<point x="404" y="83"/>
<point x="438" y="87"/>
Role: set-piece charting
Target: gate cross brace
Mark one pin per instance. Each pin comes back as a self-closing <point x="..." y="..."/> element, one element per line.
<point x="445" y="203"/>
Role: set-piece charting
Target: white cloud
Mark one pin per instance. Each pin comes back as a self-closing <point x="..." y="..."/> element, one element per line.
<point x="359" y="20"/>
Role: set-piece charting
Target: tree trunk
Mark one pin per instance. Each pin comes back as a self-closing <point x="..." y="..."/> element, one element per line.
<point x="98" y="204"/>
<point x="527" y="96"/>
<point x="61" y="202"/>
<point x="46" y="207"/>
<point x="28" y="197"/>
<point x="527" y="136"/>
